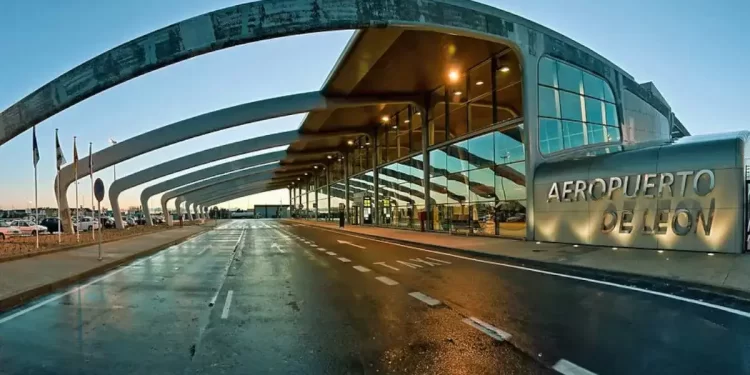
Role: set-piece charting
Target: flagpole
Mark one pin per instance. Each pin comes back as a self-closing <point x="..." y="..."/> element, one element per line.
<point x="36" y="195"/>
<point x="59" y="211"/>
<point x="91" y="175"/>
<point x="75" y="161"/>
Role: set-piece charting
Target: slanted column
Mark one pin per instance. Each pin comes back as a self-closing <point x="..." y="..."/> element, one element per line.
<point x="345" y="160"/>
<point x="426" y="161"/>
<point x="375" y="179"/>
<point x="328" y="190"/>
<point x="317" y="185"/>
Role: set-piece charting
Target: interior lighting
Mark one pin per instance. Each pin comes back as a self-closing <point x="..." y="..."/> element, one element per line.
<point x="661" y="251"/>
<point x="480" y="83"/>
<point x="614" y="248"/>
<point x="350" y="142"/>
<point x="710" y="254"/>
<point x="418" y="113"/>
<point x="406" y="121"/>
<point x="316" y="167"/>
<point x="297" y="178"/>
<point x="504" y="69"/>
<point x="330" y="157"/>
<point x="575" y="245"/>
<point x="453" y="76"/>
<point x="538" y="242"/>
<point x="385" y="118"/>
<point x="395" y="127"/>
<point x="457" y="93"/>
<point x="367" y="143"/>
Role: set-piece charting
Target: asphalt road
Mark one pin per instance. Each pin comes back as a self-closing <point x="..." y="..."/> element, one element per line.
<point x="259" y="296"/>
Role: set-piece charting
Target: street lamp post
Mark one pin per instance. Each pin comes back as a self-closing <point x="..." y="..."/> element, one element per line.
<point x="114" y="166"/>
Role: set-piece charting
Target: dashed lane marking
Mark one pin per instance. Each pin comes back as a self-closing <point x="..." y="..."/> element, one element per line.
<point x="489" y="330"/>
<point x="386" y="265"/>
<point x="410" y="265"/>
<point x="345" y="260"/>
<point x="361" y="269"/>
<point x="557" y="274"/>
<point x="227" y="304"/>
<point x="322" y="249"/>
<point x="331" y="253"/>
<point x="569" y="368"/>
<point x="425" y="298"/>
<point x="386" y="280"/>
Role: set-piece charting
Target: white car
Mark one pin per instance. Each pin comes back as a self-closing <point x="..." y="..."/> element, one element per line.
<point x="28" y="227"/>
<point x="87" y="223"/>
<point x="7" y="231"/>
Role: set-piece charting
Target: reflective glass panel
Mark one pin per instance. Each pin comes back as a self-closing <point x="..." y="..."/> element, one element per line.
<point x="549" y="105"/>
<point x="550" y="135"/>
<point x="570" y="78"/>
<point x="594" y="111"/>
<point x="571" y="106"/>
<point x="595" y="133"/>
<point x="572" y="134"/>
<point x="593" y="86"/>
<point x="547" y="72"/>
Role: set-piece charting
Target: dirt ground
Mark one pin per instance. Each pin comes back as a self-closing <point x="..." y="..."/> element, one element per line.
<point x="27" y="245"/>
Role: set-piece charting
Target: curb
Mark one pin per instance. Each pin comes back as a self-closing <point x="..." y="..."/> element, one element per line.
<point x="708" y="293"/>
<point x="15" y="300"/>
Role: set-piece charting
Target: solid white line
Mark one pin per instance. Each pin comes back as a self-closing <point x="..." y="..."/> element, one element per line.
<point x="569" y="368"/>
<point x="225" y="312"/>
<point x="344" y="260"/>
<point x="103" y="277"/>
<point x="425" y="298"/>
<point x="579" y="278"/>
<point x="331" y="253"/>
<point x="494" y="332"/>
<point x="361" y="269"/>
<point x="386" y="281"/>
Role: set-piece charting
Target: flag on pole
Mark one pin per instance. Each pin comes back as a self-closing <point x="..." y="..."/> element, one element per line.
<point x="60" y="161"/>
<point x="35" y="147"/>
<point x="60" y="157"/>
<point x="91" y="175"/>
<point x="75" y="166"/>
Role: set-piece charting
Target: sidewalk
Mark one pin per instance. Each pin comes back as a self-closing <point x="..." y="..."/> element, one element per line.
<point x="27" y="278"/>
<point x="726" y="271"/>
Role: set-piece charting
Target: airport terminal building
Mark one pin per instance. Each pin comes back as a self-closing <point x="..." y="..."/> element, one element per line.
<point x="443" y="115"/>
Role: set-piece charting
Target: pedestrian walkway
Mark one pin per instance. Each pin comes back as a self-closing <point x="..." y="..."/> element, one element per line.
<point x="27" y="278"/>
<point x="731" y="271"/>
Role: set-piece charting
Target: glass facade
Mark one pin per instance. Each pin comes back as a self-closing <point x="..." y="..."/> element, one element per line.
<point x="476" y="160"/>
<point x="576" y="108"/>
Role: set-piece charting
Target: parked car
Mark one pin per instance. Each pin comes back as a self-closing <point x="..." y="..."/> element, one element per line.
<point x="51" y="224"/>
<point x="28" y="227"/>
<point x="107" y="222"/>
<point x="7" y="231"/>
<point x="87" y="223"/>
<point x="157" y="219"/>
<point x="130" y="221"/>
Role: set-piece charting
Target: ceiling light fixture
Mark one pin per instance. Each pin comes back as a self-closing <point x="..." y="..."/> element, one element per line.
<point x="418" y="113"/>
<point x="367" y="143"/>
<point x="406" y="121"/>
<point x="453" y="76"/>
<point x="316" y="167"/>
<point x="385" y="118"/>
<point x="457" y="93"/>
<point x="329" y="156"/>
<point x="395" y="127"/>
<point x="350" y="142"/>
<point x="504" y="69"/>
<point x="480" y="83"/>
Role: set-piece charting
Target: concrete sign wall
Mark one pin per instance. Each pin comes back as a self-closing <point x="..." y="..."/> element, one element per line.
<point x="689" y="195"/>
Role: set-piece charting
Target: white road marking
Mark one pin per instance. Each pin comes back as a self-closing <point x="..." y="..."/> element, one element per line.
<point x="278" y="248"/>
<point x="314" y="245"/>
<point x="344" y="260"/>
<point x="361" y="269"/>
<point x="385" y="265"/>
<point x="437" y="260"/>
<point x="351" y="244"/>
<point x="425" y="298"/>
<point x="557" y="274"/>
<point x="410" y="265"/>
<point x="420" y="260"/>
<point x="203" y="251"/>
<point x="331" y="253"/>
<point x="321" y="249"/>
<point x="225" y="311"/>
<point x="386" y="281"/>
<point x="489" y="330"/>
<point x="569" y="368"/>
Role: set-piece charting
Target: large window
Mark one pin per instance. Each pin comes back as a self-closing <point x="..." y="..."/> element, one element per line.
<point x="576" y="108"/>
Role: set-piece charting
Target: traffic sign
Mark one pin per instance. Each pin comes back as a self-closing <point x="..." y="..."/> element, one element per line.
<point x="99" y="189"/>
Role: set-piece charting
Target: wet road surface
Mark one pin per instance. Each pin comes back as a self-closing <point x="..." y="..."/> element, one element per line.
<point x="259" y="296"/>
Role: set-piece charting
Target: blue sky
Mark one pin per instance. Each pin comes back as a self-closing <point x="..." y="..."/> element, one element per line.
<point x="693" y="51"/>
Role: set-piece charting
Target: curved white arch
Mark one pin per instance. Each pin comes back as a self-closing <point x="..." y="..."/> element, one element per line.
<point x="198" y="175"/>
